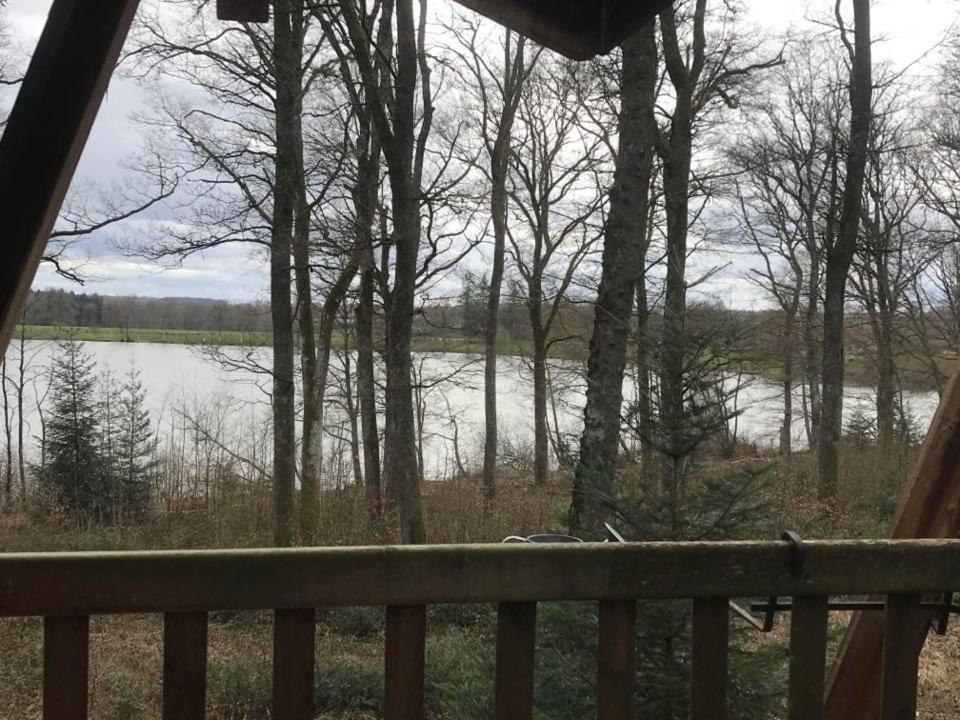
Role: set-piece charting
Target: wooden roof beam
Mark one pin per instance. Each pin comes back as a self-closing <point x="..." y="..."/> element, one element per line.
<point x="46" y="132"/>
<point x="255" y="11"/>
<point x="575" y="28"/>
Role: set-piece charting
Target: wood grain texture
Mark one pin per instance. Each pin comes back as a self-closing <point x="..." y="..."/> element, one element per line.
<point x="190" y="581"/>
<point x="708" y="664"/>
<point x="808" y="657"/>
<point x="617" y="659"/>
<point x="184" y="666"/>
<point x="516" y="644"/>
<point x="65" y="666"/>
<point x="403" y="662"/>
<point x="929" y="508"/>
<point x="294" y="634"/>
<point x="901" y="654"/>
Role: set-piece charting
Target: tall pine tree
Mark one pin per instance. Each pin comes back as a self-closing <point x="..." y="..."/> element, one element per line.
<point x="74" y="469"/>
<point x="135" y="458"/>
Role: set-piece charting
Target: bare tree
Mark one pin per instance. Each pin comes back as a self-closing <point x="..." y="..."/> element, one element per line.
<point x="243" y="150"/>
<point x="839" y="255"/>
<point x="787" y="195"/>
<point x="392" y="100"/>
<point x="702" y="75"/>
<point x="557" y="194"/>
<point x="894" y="250"/>
<point x="497" y="87"/>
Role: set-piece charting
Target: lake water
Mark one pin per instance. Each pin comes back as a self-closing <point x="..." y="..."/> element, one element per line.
<point x="183" y="379"/>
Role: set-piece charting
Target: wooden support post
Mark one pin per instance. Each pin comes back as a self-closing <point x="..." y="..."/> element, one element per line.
<point x="65" y="658"/>
<point x="901" y="655"/>
<point x="617" y="665"/>
<point x="927" y="510"/>
<point x="808" y="657"/>
<point x="708" y="667"/>
<point x="294" y="634"/>
<point x="516" y="644"/>
<point x="403" y="662"/>
<point x="184" y="666"/>
<point x="46" y="132"/>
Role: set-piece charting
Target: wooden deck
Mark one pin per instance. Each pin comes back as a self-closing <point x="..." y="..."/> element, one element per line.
<point x="66" y="588"/>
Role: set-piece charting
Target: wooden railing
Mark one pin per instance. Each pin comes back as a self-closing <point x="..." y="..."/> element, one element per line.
<point x="67" y="588"/>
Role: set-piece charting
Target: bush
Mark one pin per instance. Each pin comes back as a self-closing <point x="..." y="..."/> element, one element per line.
<point x="465" y="617"/>
<point x="459" y="676"/>
<point x="240" y="688"/>
<point x="357" y="622"/>
<point x="342" y="686"/>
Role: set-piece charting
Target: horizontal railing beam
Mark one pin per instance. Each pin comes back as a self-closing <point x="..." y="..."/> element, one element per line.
<point x="194" y="581"/>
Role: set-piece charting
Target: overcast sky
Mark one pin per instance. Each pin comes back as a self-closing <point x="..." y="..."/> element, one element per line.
<point x="905" y="31"/>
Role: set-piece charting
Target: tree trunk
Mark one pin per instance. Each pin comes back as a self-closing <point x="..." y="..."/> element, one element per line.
<point x="841" y="254"/>
<point x="676" y="179"/>
<point x="886" y="381"/>
<point x="786" y="430"/>
<point x="623" y="262"/>
<point x="498" y="209"/>
<point x="400" y="446"/>
<point x="8" y="434"/>
<point x="541" y="440"/>
<point x="310" y="458"/>
<point x="21" y="372"/>
<point x="367" y="393"/>
<point x="351" y="410"/>
<point x="317" y="391"/>
<point x="287" y="60"/>
<point x="812" y="352"/>
<point x="499" y="169"/>
<point x="644" y="385"/>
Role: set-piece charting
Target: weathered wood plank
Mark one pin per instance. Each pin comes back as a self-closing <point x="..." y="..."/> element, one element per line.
<point x="65" y="662"/>
<point x="403" y="662"/>
<point x="516" y="644"/>
<point x="708" y="665"/>
<point x="617" y="662"/>
<point x="293" y="660"/>
<point x="928" y="509"/>
<point x="256" y="11"/>
<point x="94" y="583"/>
<point x="46" y="131"/>
<point x="184" y="666"/>
<point x="808" y="657"/>
<point x="901" y="654"/>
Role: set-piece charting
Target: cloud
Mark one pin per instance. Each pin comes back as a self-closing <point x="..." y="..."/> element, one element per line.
<point x="904" y="32"/>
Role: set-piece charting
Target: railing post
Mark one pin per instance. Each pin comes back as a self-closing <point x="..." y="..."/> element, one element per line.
<point x="403" y="662"/>
<point x="617" y="664"/>
<point x="901" y="656"/>
<point x="708" y="667"/>
<point x="66" y="642"/>
<point x="184" y="666"/>
<point x="808" y="657"/>
<point x="294" y="632"/>
<point x="516" y="646"/>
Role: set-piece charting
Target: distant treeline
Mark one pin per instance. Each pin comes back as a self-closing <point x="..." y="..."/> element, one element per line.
<point x="62" y="307"/>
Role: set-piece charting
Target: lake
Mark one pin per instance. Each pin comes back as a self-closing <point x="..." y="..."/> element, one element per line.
<point x="181" y="379"/>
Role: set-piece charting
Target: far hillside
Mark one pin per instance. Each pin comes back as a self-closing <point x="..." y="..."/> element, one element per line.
<point x="61" y="308"/>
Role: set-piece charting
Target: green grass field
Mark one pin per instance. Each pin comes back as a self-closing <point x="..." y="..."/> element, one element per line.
<point x="177" y="337"/>
<point x="571" y="350"/>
